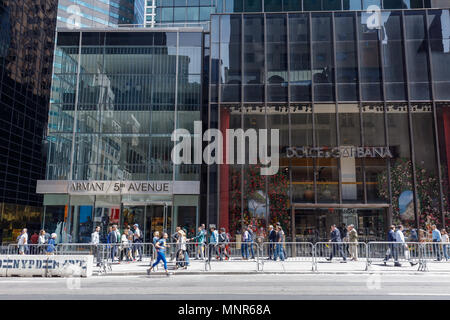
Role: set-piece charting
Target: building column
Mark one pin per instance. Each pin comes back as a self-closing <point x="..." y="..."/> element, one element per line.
<point x="224" y="214"/>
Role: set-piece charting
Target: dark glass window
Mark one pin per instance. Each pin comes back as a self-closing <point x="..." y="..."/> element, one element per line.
<point x="253" y="6"/>
<point x="321" y="27"/>
<point x="346" y="62"/>
<point x="253" y="28"/>
<point x="312" y="5"/>
<point x="415" y="25"/>
<point x="273" y="5"/>
<point x="292" y="5"/>
<point x="396" y="4"/>
<point x="230" y="28"/>
<point x="345" y="26"/>
<point x="369" y="58"/>
<point x="232" y="6"/>
<point x="298" y="28"/>
<point x="276" y="28"/>
<point x="331" y="5"/>
<point x="351" y="4"/>
<point x="253" y="63"/>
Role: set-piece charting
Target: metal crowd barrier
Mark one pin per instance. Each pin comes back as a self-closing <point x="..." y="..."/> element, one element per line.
<point x="384" y="252"/>
<point x="180" y="256"/>
<point x="435" y="252"/>
<point x="34" y="249"/>
<point x="232" y="252"/>
<point x="348" y="252"/>
<point x="286" y="252"/>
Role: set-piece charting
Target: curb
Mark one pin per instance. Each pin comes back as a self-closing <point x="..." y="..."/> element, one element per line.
<point x="269" y="272"/>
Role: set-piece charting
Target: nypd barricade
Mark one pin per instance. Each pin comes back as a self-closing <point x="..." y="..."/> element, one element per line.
<point x="45" y="265"/>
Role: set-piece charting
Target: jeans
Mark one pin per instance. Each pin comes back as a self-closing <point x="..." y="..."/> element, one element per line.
<point x="113" y="252"/>
<point x="212" y="247"/>
<point x="244" y="250"/>
<point x="160" y="257"/>
<point x="201" y="251"/>
<point x="251" y="249"/>
<point x="137" y="246"/>
<point x="271" y="250"/>
<point x="437" y="250"/>
<point x="445" y="247"/>
<point x="279" y="252"/>
<point x="396" y="251"/>
<point x="337" y="247"/>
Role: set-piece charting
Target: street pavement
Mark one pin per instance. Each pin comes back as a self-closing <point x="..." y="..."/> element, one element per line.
<point x="300" y="265"/>
<point x="311" y="286"/>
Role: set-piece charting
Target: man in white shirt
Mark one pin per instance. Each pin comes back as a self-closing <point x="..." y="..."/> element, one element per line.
<point x="22" y="241"/>
<point x="401" y="245"/>
<point x="95" y="241"/>
<point x="137" y="240"/>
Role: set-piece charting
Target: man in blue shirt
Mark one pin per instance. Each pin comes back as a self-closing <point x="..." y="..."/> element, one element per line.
<point x="213" y="241"/>
<point x="390" y="250"/>
<point x="437" y="237"/>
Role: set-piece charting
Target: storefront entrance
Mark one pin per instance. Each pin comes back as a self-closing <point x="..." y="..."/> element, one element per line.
<point x="313" y="224"/>
<point x="74" y="218"/>
<point x="156" y="216"/>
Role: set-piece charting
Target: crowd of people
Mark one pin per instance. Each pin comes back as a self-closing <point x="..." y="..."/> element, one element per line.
<point x="128" y="245"/>
<point x="42" y="243"/>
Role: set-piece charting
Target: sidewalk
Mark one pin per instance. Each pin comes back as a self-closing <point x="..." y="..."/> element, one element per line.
<point x="250" y="267"/>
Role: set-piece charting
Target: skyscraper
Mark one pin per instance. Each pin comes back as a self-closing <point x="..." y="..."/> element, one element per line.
<point x="99" y="13"/>
<point x="27" y="29"/>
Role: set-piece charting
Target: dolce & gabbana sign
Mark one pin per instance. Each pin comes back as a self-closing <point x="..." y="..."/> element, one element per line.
<point x="119" y="187"/>
<point x="339" y="152"/>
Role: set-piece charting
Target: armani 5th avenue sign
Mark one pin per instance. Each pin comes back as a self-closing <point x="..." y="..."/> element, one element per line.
<point x="119" y="187"/>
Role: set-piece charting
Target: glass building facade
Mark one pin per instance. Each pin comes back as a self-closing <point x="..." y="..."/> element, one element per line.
<point x="99" y="13"/>
<point x="27" y="29"/>
<point x="183" y="12"/>
<point x="362" y="115"/>
<point x="117" y="96"/>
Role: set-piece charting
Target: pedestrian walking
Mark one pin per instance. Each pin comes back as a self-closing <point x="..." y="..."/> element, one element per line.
<point x="156" y="237"/>
<point x="336" y="244"/>
<point x="344" y="238"/>
<point x="272" y="239"/>
<point x="279" y="250"/>
<point x="244" y="245"/>
<point x="33" y="242"/>
<point x="200" y="243"/>
<point x="124" y="247"/>
<point x="400" y="245"/>
<point x="161" y="245"/>
<point x="251" y="239"/>
<point x="95" y="242"/>
<point x="213" y="242"/>
<point x="137" y="242"/>
<point x="223" y="242"/>
<point x="353" y="239"/>
<point x="437" y="238"/>
<point x="22" y="241"/>
<point x="51" y="247"/>
<point x="390" y="249"/>
<point x="182" y="260"/>
<point x="41" y="241"/>
<point x="445" y="241"/>
<point x="260" y="236"/>
<point x="114" y="240"/>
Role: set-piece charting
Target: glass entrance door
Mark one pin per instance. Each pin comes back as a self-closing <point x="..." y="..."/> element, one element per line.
<point x="158" y="218"/>
<point x="312" y="225"/>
